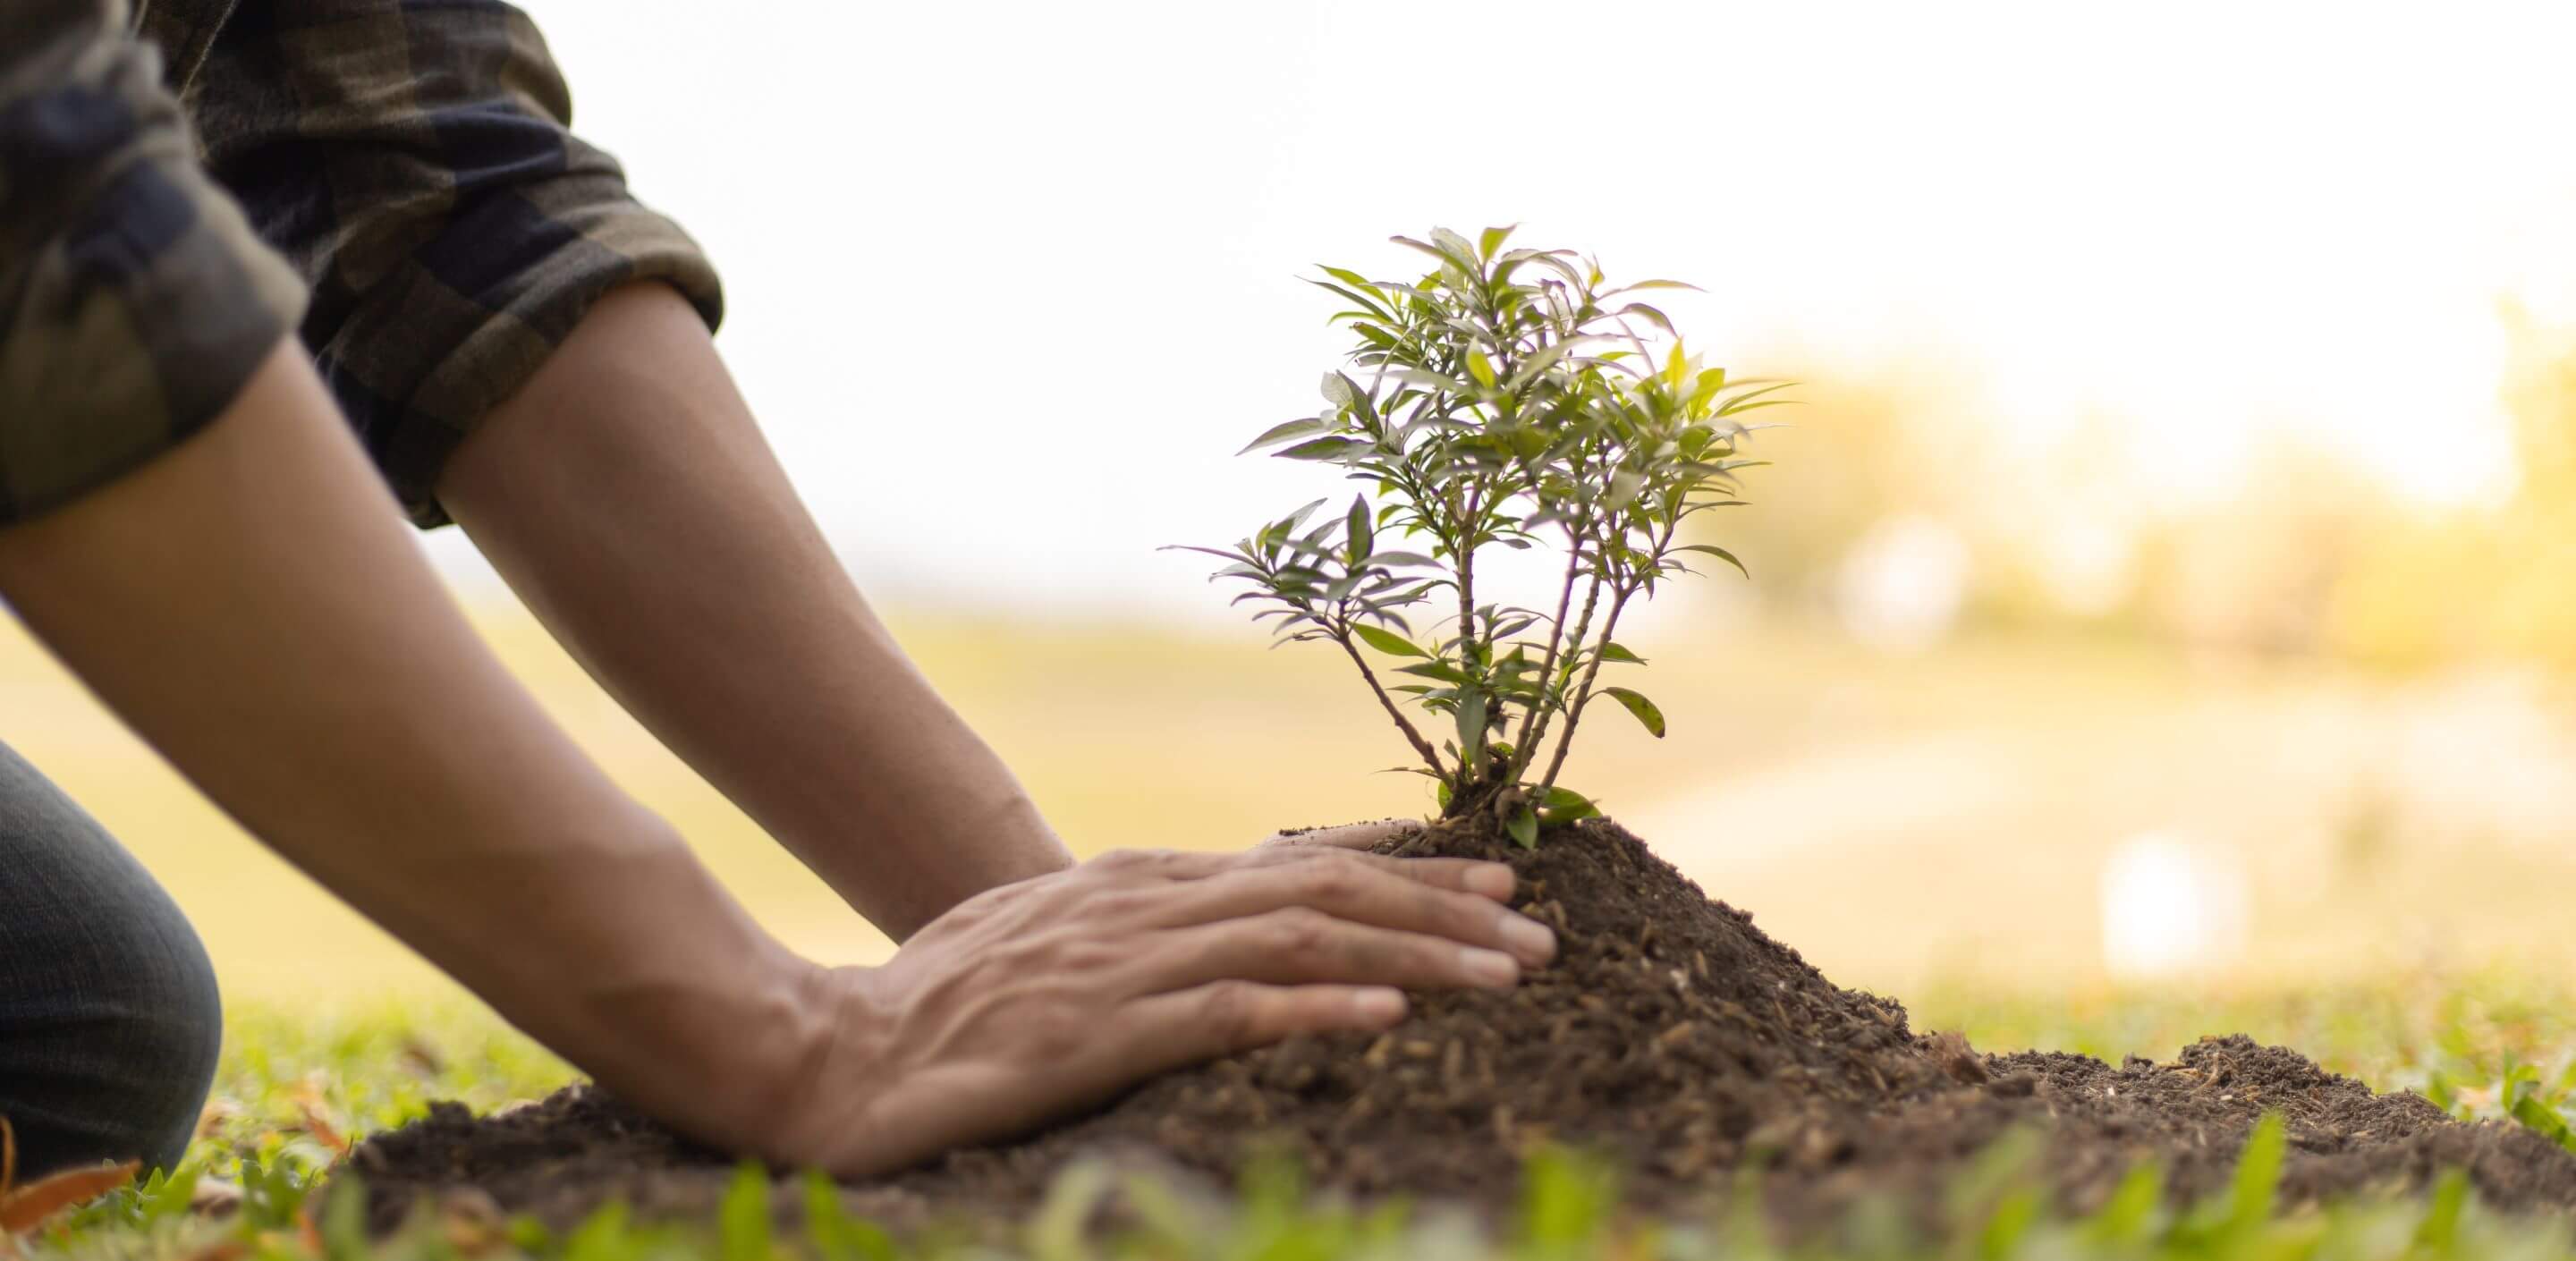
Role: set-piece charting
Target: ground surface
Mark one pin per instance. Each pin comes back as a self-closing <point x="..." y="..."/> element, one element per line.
<point x="300" y="1087"/>
<point x="1671" y="1037"/>
<point x="1930" y="827"/>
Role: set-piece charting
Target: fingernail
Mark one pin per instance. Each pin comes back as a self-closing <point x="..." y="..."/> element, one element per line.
<point x="1533" y="942"/>
<point x="1493" y="880"/>
<point x="1378" y="1007"/>
<point x="1489" y="967"/>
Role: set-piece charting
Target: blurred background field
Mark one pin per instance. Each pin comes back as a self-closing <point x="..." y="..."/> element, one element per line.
<point x="1969" y="785"/>
<point x="2306" y="732"/>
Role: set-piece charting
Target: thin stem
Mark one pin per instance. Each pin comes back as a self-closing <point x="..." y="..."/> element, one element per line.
<point x="1582" y="628"/>
<point x="1582" y="697"/>
<point x="1555" y="640"/>
<point x="1430" y="756"/>
<point x="1470" y="761"/>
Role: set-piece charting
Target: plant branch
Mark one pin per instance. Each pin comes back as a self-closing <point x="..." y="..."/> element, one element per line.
<point x="1430" y="756"/>
<point x="1528" y="748"/>
<point x="1469" y="760"/>
<point x="1530" y="724"/>
<point x="1583" y="695"/>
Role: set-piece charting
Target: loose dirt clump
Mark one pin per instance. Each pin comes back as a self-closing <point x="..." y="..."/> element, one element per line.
<point x="1670" y="1035"/>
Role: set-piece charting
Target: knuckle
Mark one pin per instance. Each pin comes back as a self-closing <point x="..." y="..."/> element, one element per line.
<point x="1459" y="912"/>
<point x="1331" y="881"/>
<point x="1299" y="929"/>
<point x="1115" y="904"/>
<point x="1231" y="1010"/>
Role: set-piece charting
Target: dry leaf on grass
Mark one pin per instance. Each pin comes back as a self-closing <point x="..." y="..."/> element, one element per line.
<point x="307" y="1095"/>
<point x="28" y="1206"/>
<point x="22" y="1209"/>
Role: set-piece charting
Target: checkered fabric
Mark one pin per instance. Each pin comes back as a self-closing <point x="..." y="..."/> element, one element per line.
<point x="407" y="164"/>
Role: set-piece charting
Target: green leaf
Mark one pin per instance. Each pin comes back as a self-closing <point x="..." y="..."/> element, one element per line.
<point x="1060" y="1229"/>
<point x="1321" y="449"/>
<point x="1613" y="652"/>
<point x="1652" y="316"/>
<point x="603" y="1235"/>
<point x="1647" y="715"/>
<point x="1460" y="261"/>
<point x="1567" y="1199"/>
<point x="1290" y="522"/>
<point x="2258" y="1175"/>
<point x="1471" y="727"/>
<point x="1347" y="276"/>
<point x="836" y="1235"/>
<point x="2010" y="1222"/>
<point x="1369" y="309"/>
<point x="1359" y="534"/>
<point x="1455" y="247"/>
<point x="2128" y="1219"/>
<point x="742" y="1217"/>
<point x="1564" y="805"/>
<point x="1481" y="368"/>
<point x="1491" y="239"/>
<point x="1524" y="827"/>
<point x="2440" y="1228"/>
<point x="1718" y="552"/>
<point x="1440" y="670"/>
<point x="1337" y="389"/>
<point x="1286" y="430"/>
<point x="2540" y="1116"/>
<point x="1401" y="558"/>
<point x="344" y="1222"/>
<point x="1386" y="641"/>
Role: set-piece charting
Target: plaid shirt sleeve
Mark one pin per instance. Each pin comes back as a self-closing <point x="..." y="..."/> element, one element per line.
<point x="415" y="162"/>
<point x="135" y="300"/>
<point x="410" y="199"/>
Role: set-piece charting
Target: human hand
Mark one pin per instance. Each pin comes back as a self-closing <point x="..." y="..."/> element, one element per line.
<point x="1042" y="997"/>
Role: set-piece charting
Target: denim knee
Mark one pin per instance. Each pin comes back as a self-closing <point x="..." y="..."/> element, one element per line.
<point x="110" y="1022"/>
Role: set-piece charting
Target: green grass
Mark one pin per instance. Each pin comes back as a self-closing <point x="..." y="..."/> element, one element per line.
<point x="295" y="1083"/>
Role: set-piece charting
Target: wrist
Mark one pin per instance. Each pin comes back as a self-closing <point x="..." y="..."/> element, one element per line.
<point x="729" y="1063"/>
<point x="645" y="974"/>
<point x="828" y="1085"/>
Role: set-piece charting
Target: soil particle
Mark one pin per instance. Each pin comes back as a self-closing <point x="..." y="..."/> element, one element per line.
<point x="1670" y="1035"/>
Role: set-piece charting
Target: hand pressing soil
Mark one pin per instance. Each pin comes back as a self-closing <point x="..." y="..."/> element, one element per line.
<point x="1669" y="1034"/>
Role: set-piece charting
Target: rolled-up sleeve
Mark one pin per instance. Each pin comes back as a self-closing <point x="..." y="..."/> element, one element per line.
<point x="416" y="164"/>
<point x="135" y="299"/>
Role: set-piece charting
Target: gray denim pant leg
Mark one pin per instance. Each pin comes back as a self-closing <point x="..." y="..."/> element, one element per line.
<point x="109" y="1021"/>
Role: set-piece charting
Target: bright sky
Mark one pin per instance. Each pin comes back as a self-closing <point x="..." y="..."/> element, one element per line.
<point x="1010" y="282"/>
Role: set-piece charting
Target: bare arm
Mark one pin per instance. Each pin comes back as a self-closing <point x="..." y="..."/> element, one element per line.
<point x="630" y="500"/>
<point x="252" y="604"/>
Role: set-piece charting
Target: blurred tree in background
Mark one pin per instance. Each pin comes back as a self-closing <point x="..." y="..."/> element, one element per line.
<point x="2493" y="582"/>
<point x="1905" y="516"/>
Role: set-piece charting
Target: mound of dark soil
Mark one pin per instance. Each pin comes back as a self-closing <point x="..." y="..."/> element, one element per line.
<point x="1670" y="1035"/>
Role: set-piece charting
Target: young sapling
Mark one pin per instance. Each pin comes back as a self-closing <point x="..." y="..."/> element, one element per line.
<point x="1507" y="398"/>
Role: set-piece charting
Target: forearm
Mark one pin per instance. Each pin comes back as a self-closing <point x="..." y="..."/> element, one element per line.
<point x="250" y="603"/>
<point x="630" y="500"/>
